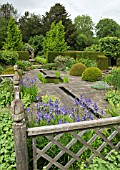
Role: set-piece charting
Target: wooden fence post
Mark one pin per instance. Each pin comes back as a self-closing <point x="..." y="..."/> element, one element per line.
<point x="19" y="126"/>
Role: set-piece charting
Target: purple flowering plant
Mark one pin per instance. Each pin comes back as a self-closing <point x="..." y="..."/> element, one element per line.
<point x="52" y="112"/>
<point x="28" y="87"/>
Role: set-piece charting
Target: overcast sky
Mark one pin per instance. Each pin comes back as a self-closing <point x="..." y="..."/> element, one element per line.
<point x="96" y="9"/>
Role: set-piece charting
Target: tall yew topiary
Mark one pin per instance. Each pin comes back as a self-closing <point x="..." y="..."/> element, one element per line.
<point x="14" y="37"/>
<point x="55" y="39"/>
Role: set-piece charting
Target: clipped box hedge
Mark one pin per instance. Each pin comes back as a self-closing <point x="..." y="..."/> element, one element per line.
<point x="23" y="55"/>
<point x="118" y="62"/>
<point x="102" y="62"/>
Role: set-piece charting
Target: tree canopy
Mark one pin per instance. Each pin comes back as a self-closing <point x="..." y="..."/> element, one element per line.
<point x="7" y="10"/>
<point x="55" y="38"/>
<point x="107" y="28"/>
<point x="14" y="37"/>
<point x="58" y="13"/>
<point x="30" y="25"/>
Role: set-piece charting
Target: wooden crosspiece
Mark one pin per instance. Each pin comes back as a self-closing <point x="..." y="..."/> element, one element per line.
<point x="98" y="130"/>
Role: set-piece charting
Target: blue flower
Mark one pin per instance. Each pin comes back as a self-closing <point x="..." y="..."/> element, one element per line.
<point x="95" y="107"/>
<point x="60" y="121"/>
<point x="76" y="101"/>
<point x="102" y="112"/>
<point x="91" y="117"/>
<point x="83" y="118"/>
<point x="77" y="118"/>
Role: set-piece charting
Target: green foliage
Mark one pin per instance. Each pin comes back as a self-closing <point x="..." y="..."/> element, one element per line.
<point x="41" y="78"/>
<point x="113" y="96"/>
<point x="40" y="60"/>
<point x="77" y="69"/>
<point x="55" y="39"/>
<point x="84" y="26"/>
<point x="118" y="62"/>
<point x="8" y="57"/>
<point x="102" y="62"/>
<point x="110" y="46"/>
<point x="100" y="85"/>
<point x="3" y="30"/>
<point x="56" y="14"/>
<point x="47" y="97"/>
<point x="1" y="69"/>
<point x="7" y="152"/>
<point x="50" y="66"/>
<point x="9" y="70"/>
<point x="57" y="74"/>
<point x="114" y="109"/>
<point x="88" y="62"/>
<point x="107" y="28"/>
<point x="112" y="162"/>
<point x="29" y="90"/>
<point x="24" y="65"/>
<point x="61" y="61"/>
<point x="115" y="79"/>
<point x="7" y="11"/>
<point x="23" y="55"/>
<point x="14" y="37"/>
<point x="30" y="26"/>
<point x="37" y="43"/>
<point x="91" y="74"/>
<point x="6" y="92"/>
<point x="65" y="79"/>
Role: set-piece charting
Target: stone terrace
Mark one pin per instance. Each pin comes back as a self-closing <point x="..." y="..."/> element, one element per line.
<point x="75" y="86"/>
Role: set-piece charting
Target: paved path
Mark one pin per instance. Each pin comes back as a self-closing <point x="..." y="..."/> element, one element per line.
<point x="76" y="86"/>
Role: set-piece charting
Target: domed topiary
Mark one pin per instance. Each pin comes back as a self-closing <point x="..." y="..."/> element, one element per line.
<point x="92" y="74"/>
<point x="77" y="69"/>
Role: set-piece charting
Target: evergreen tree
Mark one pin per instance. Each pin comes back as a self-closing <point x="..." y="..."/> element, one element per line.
<point x="57" y="13"/>
<point x="14" y="36"/>
<point x="55" y="38"/>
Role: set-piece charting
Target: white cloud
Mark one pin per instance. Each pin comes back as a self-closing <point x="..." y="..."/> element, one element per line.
<point x="95" y="9"/>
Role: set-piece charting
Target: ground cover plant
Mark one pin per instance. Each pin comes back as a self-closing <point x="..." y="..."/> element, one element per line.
<point x="7" y="152"/>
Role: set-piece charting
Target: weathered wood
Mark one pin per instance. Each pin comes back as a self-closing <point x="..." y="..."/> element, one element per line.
<point x="73" y="126"/>
<point x="19" y="127"/>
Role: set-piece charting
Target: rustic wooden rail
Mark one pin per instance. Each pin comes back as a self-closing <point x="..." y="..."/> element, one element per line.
<point x="53" y="134"/>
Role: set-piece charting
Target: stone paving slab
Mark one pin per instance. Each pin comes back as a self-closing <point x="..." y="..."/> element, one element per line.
<point x="76" y="86"/>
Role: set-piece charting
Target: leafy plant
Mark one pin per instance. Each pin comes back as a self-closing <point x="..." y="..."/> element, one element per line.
<point x="29" y="90"/>
<point x="112" y="96"/>
<point x="41" y="78"/>
<point x="57" y="74"/>
<point x="112" y="162"/>
<point x="23" y="64"/>
<point x="100" y="85"/>
<point x="7" y="152"/>
<point x="87" y="62"/>
<point x="113" y="110"/>
<point x="40" y="60"/>
<point x="7" y="92"/>
<point x="65" y="79"/>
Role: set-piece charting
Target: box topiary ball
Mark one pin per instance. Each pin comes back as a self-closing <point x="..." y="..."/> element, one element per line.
<point x="77" y="69"/>
<point x="92" y="74"/>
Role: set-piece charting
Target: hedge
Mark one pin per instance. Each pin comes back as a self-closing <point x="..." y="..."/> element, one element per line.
<point x="23" y="55"/>
<point x="118" y="62"/>
<point x="74" y="54"/>
<point x="102" y="62"/>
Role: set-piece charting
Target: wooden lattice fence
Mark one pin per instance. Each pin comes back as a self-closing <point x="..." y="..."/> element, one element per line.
<point x="55" y="134"/>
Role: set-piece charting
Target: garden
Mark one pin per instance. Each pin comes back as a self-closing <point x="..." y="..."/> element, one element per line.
<point x="62" y="85"/>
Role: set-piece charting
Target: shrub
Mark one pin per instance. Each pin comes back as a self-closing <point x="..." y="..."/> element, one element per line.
<point x="118" y="62"/>
<point x="7" y="152"/>
<point x="88" y="62"/>
<point x="23" y="65"/>
<point x="9" y="57"/>
<point x="77" y="69"/>
<point x="92" y="74"/>
<point x="9" y="70"/>
<point x="6" y="92"/>
<point x="112" y="96"/>
<point x="1" y="69"/>
<point x="40" y="60"/>
<point x="23" y="55"/>
<point x="102" y="62"/>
